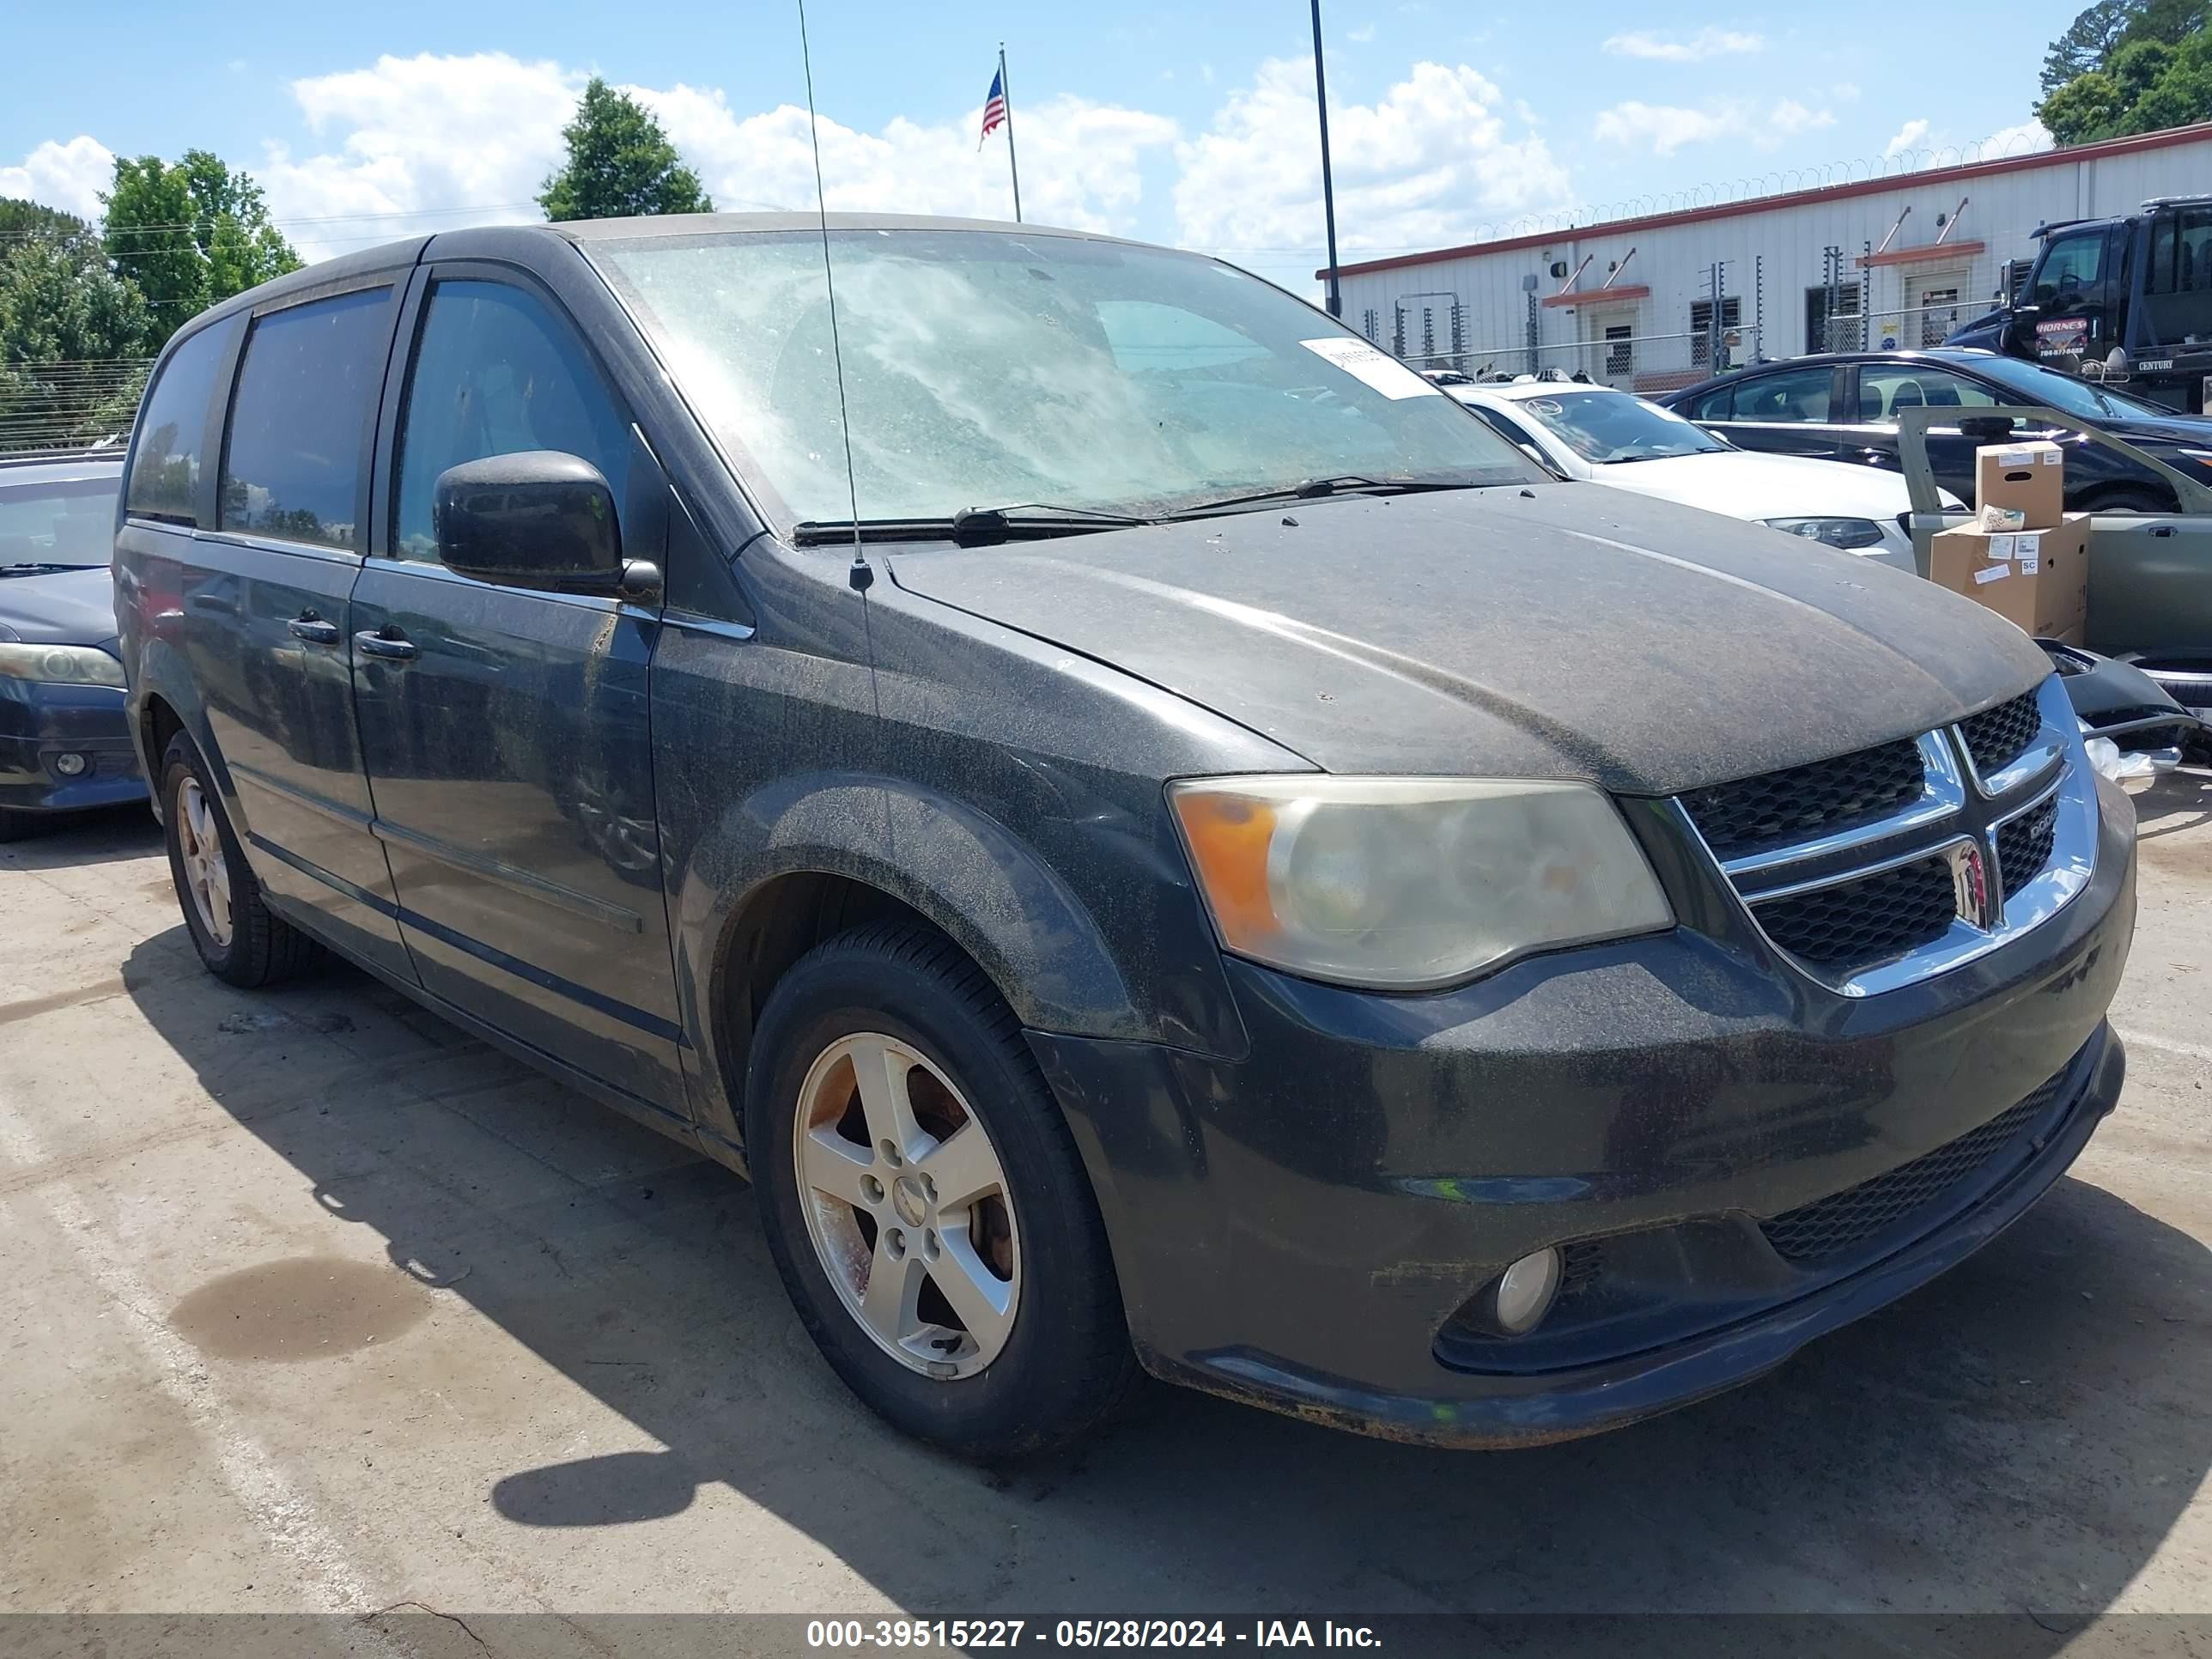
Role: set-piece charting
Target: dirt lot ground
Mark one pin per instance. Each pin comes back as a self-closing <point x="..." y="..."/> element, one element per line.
<point x="311" y="1304"/>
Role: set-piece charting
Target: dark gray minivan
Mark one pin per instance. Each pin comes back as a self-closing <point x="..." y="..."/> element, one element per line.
<point x="1156" y="840"/>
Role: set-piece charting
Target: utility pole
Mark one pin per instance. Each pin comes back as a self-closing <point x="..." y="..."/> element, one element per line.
<point x="1327" y="186"/>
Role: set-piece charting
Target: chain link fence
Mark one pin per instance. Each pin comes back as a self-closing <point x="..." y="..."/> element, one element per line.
<point x="1650" y="364"/>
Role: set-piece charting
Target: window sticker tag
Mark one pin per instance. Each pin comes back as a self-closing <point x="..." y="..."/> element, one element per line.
<point x="1995" y="573"/>
<point x="1373" y="365"/>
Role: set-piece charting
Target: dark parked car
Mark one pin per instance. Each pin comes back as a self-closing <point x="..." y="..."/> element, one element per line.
<point x="1843" y="406"/>
<point x="65" y="742"/>
<point x="1292" y="903"/>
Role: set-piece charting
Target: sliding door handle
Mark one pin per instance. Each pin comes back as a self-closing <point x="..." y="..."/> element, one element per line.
<point x="388" y="643"/>
<point x="313" y="629"/>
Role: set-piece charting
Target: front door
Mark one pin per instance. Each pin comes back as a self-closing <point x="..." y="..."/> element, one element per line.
<point x="507" y="731"/>
<point x="2073" y="291"/>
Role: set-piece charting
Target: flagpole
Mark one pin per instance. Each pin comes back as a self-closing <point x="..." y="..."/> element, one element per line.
<point x="1006" y="91"/>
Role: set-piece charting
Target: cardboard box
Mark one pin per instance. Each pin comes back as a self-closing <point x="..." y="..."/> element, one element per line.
<point x="2027" y="478"/>
<point x="2036" y="580"/>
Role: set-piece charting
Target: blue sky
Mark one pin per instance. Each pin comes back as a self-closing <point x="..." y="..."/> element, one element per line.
<point x="1182" y="123"/>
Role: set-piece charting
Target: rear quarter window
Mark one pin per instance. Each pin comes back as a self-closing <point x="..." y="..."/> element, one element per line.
<point x="165" y="467"/>
<point x="299" y="420"/>
<point x="1711" y="406"/>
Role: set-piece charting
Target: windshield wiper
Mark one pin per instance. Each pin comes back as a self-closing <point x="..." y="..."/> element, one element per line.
<point x="1348" y="483"/>
<point x="971" y="526"/>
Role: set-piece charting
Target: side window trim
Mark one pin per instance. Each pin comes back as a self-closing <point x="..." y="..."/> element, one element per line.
<point x="390" y="280"/>
<point x="406" y="345"/>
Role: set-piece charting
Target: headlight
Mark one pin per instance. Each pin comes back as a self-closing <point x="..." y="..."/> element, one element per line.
<point x="1849" y="534"/>
<point x="60" y="664"/>
<point x="1407" y="884"/>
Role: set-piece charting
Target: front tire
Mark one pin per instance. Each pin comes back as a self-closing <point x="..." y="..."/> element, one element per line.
<point x="924" y="1203"/>
<point x="240" y="939"/>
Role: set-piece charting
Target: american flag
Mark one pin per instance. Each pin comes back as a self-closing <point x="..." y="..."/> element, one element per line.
<point x="994" y="107"/>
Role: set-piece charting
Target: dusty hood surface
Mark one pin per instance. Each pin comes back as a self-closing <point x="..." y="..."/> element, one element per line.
<point x="58" y="607"/>
<point x="1564" y="631"/>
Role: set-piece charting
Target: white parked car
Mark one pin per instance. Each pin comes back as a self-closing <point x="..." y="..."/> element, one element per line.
<point x="1615" y="438"/>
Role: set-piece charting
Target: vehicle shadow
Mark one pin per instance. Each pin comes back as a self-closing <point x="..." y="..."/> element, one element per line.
<point x="100" y="835"/>
<point x="2016" y="1438"/>
<point x="2182" y="799"/>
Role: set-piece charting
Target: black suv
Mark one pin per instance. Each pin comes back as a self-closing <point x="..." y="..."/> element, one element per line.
<point x="1155" y="839"/>
<point x="1843" y="406"/>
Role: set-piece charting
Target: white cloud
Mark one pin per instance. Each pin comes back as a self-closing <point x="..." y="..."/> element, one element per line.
<point x="1361" y="35"/>
<point x="1430" y="162"/>
<point x="1907" y="136"/>
<point x="1683" y="48"/>
<point x="1081" y="161"/>
<point x="419" y="138"/>
<point x="1665" y="128"/>
<point x="2021" y="140"/>
<point x="68" y="176"/>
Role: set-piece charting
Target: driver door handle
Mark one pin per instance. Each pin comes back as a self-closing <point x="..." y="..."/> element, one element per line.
<point x="313" y="629"/>
<point x="388" y="643"/>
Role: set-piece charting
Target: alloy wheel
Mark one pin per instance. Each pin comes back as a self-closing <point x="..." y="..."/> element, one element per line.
<point x="207" y="873"/>
<point x="907" y="1205"/>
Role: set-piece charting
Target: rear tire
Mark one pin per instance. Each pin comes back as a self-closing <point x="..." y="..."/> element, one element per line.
<point x="1005" y="1338"/>
<point x="240" y="939"/>
<point x="2130" y="500"/>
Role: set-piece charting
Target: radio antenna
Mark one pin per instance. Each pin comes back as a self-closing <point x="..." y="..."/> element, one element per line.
<point x="861" y="576"/>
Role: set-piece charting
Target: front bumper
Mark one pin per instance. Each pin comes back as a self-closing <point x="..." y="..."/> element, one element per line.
<point x="41" y="723"/>
<point x="1300" y="1227"/>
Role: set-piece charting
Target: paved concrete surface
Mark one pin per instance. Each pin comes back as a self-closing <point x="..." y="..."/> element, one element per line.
<point x="313" y="1303"/>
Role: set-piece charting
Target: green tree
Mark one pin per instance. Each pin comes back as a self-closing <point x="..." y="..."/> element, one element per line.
<point x="2088" y="42"/>
<point x="2128" y="66"/>
<point x="620" y="163"/>
<point x="63" y="311"/>
<point x="2088" y="107"/>
<point x="20" y="219"/>
<point x="191" y="233"/>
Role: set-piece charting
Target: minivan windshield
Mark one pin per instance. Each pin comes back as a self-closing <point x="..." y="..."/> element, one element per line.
<point x="987" y="368"/>
<point x="1605" y="427"/>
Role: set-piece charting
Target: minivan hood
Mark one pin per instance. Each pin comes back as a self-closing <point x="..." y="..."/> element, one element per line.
<point x="1747" y="485"/>
<point x="58" y="607"/>
<point x="1556" y="631"/>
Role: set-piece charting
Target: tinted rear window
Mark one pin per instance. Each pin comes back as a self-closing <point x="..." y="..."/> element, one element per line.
<point x="165" y="471"/>
<point x="292" y="463"/>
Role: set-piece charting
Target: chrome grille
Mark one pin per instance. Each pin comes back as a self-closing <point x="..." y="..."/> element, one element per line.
<point x="1866" y="884"/>
<point x="2024" y="844"/>
<point x="1869" y="920"/>
<point x="1997" y="736"/>
<point x="1806" y="800"/>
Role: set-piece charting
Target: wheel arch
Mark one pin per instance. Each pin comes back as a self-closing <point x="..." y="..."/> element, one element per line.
<point x="804" y="858"/>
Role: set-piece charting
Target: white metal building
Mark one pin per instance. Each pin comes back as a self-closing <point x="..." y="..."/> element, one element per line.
<point x="1898" y="260"/>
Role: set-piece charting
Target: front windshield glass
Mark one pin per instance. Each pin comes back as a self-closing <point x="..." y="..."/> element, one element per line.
<point x="2032" y="383"/>
<point x="1606" y="427"/>
<point x="993" y="368"/>
<point x="71" y="522"/>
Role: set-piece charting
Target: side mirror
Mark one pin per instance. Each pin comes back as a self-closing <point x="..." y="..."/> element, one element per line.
<point x="1987" y="429"/>
<point x="539" y="519"/>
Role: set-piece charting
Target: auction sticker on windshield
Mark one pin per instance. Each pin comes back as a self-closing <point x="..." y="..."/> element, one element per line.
<point x="1377" y="367"/>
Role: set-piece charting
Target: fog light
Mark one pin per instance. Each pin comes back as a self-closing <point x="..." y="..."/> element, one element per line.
<point x="1525" y="1291"/>
<point x="70" y="765"/>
